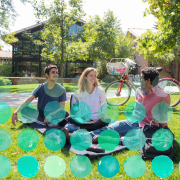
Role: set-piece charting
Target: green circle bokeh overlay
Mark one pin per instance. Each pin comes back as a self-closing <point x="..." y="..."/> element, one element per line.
<point x="28" y="139"/>
<point x="5" y="112"/>
<point x="54" y="139"/>
<point x="134" y="166"/>
<point x="5" y="139"/>
<point x="162" y="166"/>
<point x="28" y="166"/>
<point x="5" y="166"/>
<point x="108" y="139"/>
<point x="162" y="139"/>
<point x="134" y="139"/>
<point x="134" y="112"/>
<point x="108" y="113"/>
<point x="80" y="166"/>
<point x="57" y="110"/>
<point x="162" y="112"/>
<point x="81" y="139"/>
<point x="54" y="166"/>
<point x="108" y="166"/>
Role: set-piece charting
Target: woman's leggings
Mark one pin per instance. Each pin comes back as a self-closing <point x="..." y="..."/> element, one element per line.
<point x="89" y="127"/>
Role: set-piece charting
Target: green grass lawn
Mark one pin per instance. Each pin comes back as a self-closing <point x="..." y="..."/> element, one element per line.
<point x="41" y="153"/>
<point x="70" y="87"/>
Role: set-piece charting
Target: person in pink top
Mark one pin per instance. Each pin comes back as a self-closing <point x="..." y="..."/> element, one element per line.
<point x="153" y="99"/>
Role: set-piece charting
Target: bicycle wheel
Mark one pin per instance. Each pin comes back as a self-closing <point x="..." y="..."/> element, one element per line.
<point x="172" y="88"/>
<point x="115" y="99"/>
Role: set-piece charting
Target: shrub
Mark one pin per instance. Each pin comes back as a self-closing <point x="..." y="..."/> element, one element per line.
<point x="101" y="69"/>
<point x="8" y="81"/>
<point x="5" y="81"/>
<point x="6" y="70"/>
<point x="2" y="82"/>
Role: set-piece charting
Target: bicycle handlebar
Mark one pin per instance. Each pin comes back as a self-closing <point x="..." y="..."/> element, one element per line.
<point x="138" y="65"/>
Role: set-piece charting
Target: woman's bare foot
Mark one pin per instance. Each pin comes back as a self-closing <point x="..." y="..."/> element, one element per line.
<point x="95" y="139"/>
<point x="46" y="121"/>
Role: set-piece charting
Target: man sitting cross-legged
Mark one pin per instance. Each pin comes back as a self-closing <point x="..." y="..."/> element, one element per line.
<point x="46" y="92"/>
<point x="149" y="96"/>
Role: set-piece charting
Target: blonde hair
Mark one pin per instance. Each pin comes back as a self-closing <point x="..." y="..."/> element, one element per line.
<point x="83" y="83"/>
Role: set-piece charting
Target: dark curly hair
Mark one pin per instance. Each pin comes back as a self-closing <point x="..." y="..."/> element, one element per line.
<point x="48" y="68"/>
<point x="152" y="74"/>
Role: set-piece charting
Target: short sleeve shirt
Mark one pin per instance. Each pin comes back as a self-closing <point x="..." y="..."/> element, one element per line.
<point x="45" y="95"/>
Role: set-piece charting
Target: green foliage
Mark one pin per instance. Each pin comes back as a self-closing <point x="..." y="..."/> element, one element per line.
<point x="167" y="36"/>
<point x="8" y="16"/>
<point x="55" y="35"/>
<point x="6" y="70"/>
<point x="103" y="39"/>
<point x="4" y="81"/>
<point x="101" y="69"/>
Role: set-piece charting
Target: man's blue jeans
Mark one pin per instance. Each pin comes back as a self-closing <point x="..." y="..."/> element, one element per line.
<point x="122" y="127"/>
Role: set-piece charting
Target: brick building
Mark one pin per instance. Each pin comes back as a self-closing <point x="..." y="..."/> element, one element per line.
<point x="5" y="57"/>
<point x="170" y="70"/>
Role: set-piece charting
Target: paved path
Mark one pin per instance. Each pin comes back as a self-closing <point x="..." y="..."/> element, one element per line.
<point x="15" y="99"/>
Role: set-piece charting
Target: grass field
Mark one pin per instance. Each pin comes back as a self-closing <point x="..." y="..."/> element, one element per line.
<point x="41" y="153"/>
<point x="70" y="87"/>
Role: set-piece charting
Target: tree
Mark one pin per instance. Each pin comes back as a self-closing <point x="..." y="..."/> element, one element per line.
<point x="7" y="16"/>
<point x="56" y="35"/>
<point x="167" y="36"/>
<point x="103" y="39"/>
<point x="146" y="45"/>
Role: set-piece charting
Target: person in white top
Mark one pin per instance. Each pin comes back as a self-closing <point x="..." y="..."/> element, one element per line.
<point x="93" y="95"/>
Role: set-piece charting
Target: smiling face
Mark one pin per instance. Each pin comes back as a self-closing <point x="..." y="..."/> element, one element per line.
<point x="92" y="77"/>
<point x="53" y="74"/>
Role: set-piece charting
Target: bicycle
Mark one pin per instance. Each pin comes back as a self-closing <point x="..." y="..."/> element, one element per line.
<point x="120" y="91"/>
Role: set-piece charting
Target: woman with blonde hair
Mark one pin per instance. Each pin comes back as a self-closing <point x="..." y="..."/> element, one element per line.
<point x="93" y="95"/>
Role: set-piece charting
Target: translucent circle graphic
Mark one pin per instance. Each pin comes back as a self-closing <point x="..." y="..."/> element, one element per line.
<point x="134" y="166"/>
<point x="6" y="166"/>
<point x="135" y="112"/>
<point x="155" y="81"/>
<point x="56" y="91"/>
<point x="54" y="139"/>
<point x="5" y="86"/>
<point x="81" y="139"/>
<point x="134" y="139"/>
<point x="5" y="112"/>
<point x="162" y="166"/>
<point x="5" y="139"/>
<point x="108" y="139"/>
<point x="108" y="166"/>
<point x="162" y="139"/>
<point x="24" y="86"/>
<point x="179" y="140"/>
<point x="162" y="112"/>
<point x="54" y="166"/>
<point x="80" y="112"/>
<point x="28" y="139"/>
<point x="28" y="112"/>
<point x="80" y="166"/>
<point x="106" y="115"/>
<point x="54" y="112"/>
<point x="28" y="166"/>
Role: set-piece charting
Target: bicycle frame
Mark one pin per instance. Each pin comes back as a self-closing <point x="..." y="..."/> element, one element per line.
<point x="170" y="79"/>
<point x="126" y="78"/>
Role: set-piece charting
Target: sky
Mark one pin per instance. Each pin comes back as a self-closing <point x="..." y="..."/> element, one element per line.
<point x="129" y="12"/>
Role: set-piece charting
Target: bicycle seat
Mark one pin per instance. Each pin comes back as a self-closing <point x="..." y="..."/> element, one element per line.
<point x="159" y="69"/>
